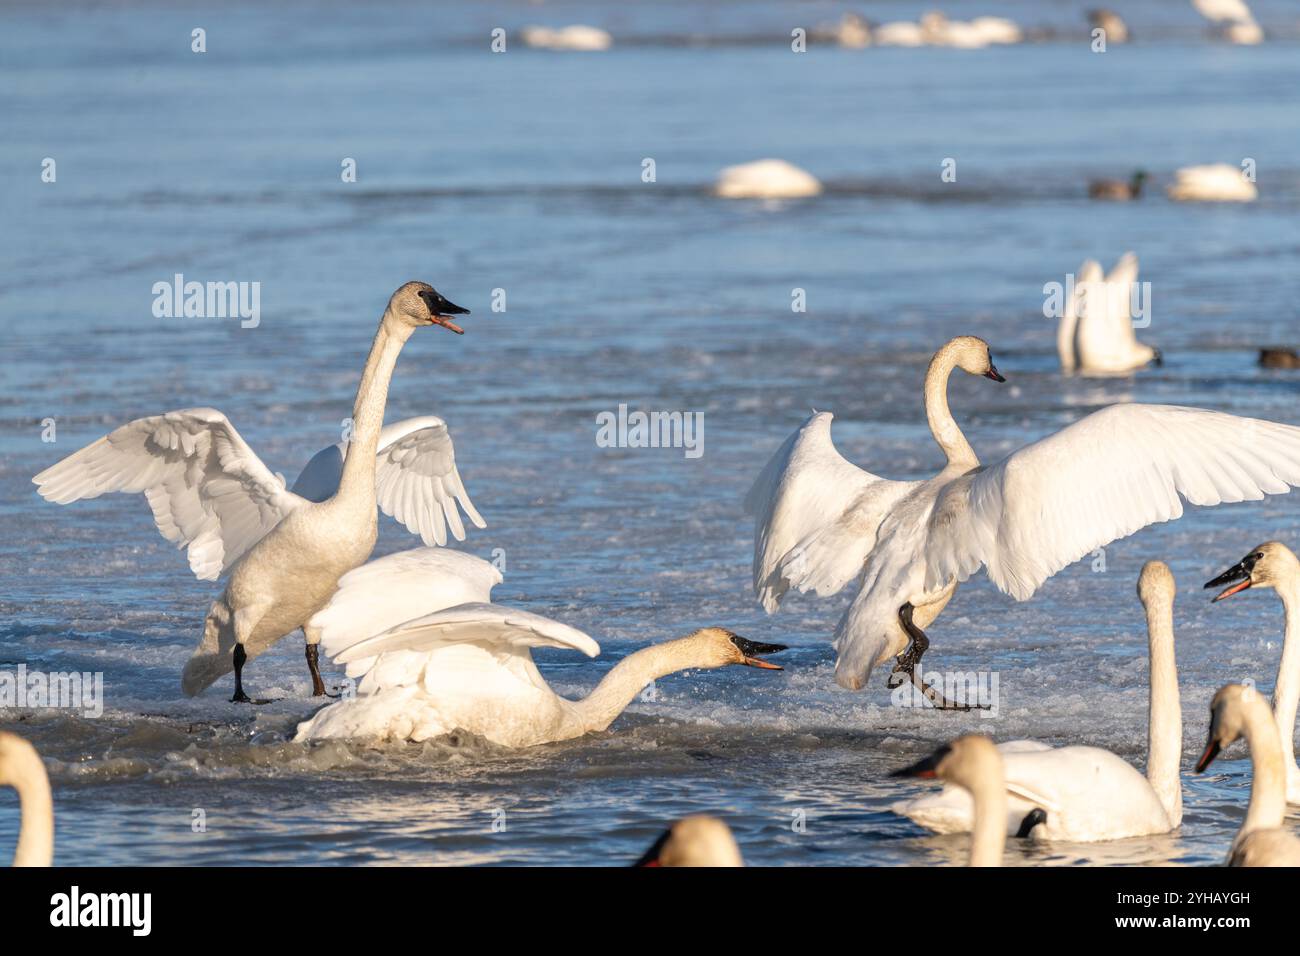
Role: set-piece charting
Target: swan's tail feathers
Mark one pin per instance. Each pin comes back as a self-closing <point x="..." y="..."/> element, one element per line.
<point x="862" y="643"/>
<point x="213" y="658"/>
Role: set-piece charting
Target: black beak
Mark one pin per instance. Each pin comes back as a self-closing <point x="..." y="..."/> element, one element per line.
<point x="751" y="650"/>
<point x="1238" y="572"/>
<point x="924" y="769"/>
<point x="994" y="374"/>
<point x="651" y="856"/>
<point x="440" y="308"/>
<point x="1211" y="751"/>
<point x="450" y="308"/>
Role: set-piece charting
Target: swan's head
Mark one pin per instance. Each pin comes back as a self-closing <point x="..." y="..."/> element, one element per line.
<point x="418" y="304"/>
<point x="1156" y="584"/>
<point x="961" y="762"/>
<point x="972" y="355"/>
<point x="694" y="841"/>
<point x="718" y="647"/>
<point x="1271" y="565"/>
<point x="1228" y="715"/>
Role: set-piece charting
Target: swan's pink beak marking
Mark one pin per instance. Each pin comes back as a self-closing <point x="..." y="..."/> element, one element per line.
<point x="765" y="665"/>
<point x="447" y="323"/>
<point x="1229" y="592"/>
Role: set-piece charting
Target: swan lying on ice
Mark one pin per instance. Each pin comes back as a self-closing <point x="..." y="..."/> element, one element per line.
<point x="975" y="765"/>
<point x="766" y="179"/>
<point x="1274" y="565"/>
<point x="821" y="522"/>
<point x="284" y="553"/>
<point x="1215" y="182"/>
<point x="694" y="841"/>
<point x="1084" y="794"/>
<point x="576" y="37"/>
<point x="1236" y="712"/>
<point x="435" y="657"/>
<point x="1095" y="335"/>
<point x="21" y="768"/>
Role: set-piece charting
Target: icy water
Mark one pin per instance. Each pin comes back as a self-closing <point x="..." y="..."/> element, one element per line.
<point x="522" y="171"/>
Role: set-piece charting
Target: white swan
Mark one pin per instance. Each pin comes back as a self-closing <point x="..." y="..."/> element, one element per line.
<point x="21" y="768"/>
<point x="975" y="765"/>
<point x="1234" y="19"/>
<point x="1111" y="23"/>
<point x="576" y="37"/>
<point x="766" y="179"/>
<point x="435" y="657"/>
<point x="210" y="492"/>
<point x="821" y="522"/>
<point x="899" y="33"/>
<point x="1215" y="182"/>
<point x="1238" y="711"/>
<point x="1085" y="794"/>
<point x="1095" y="335"/>
<point x="1274" y="565"/>
<point x="694" y="841"/>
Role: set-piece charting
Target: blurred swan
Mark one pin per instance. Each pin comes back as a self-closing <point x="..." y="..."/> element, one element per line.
<point x="1274" y="565"/>
<point x="576" y="37"/>
<point x="1234" y="19"/>
<point x="21" y="768"/>
<point x="766" y="179"/>
<point x="1238" y="711"/>
<point x="1118" y="189"/>
<point x="975" y="765"/>
<point x="1215" y="182"/>
<point x="1111" y="23"/>
<point x="899" y="33"/>
<point x="851" y="31"/>
<point x="821" y="522"/>
<point x="211" y="493"/>
<point x="694" y="841"/>
<point x="435" y="657"/>
<point x="997" y="30"/>
<point x="1095" y="335"/>
<point x="1085" y="794"/>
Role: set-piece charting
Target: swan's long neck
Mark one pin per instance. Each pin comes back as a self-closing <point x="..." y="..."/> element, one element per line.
<point x="989" y="829"/>
<point x="1286" y="693"/>
<point x="1268" y="786"/>
<point x="942" y="425"/>
<point x="629" y="677"/>
<point x="1165" y="715"/>
<point x="36" y="832"/>
<point x="1065" y="330"/>
<point x="358" y="478"/>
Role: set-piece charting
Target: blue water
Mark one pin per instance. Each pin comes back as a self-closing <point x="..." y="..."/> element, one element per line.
<point x="522" y="171"/>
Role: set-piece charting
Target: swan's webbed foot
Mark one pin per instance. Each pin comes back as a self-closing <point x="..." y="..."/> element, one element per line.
<point x="313" y="664"/>
<point x="908" y="665"/>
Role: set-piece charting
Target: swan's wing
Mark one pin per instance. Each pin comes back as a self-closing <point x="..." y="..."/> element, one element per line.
<point x="1102" y="478"/>
<point x="815" y="515"/>
<point x="418" y="484"/>
<point x="488" y="625"/>
<point x="208" y="490"/>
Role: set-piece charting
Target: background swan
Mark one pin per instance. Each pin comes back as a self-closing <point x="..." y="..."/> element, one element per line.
<point x="1215" y="182"/>
<point x="899" y="33"/>
<point x="822" y="522"/>
<point x="1111" y="22"/>
<point x="1086" y="793"/>
<point x="576" y="37"/>
<point x="1237" y="712"/>
<point x="1234" y="19"/>
<point x="974" y="764"/>
<point x="21" y="768"/>
<point x="1274" y="565"/>
<point x="1095" y="335"/>
<point x="210" y="492"/>
<point x="694" y="841"/>
<point x="434" y="656"/>
<point x="766" y="179"/>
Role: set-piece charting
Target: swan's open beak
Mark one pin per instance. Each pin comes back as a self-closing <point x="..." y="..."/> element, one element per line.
<point x="1239" y="572"/>
<point x="445" y="309"/>
<point x="753" y="648"/>
<point x="925" y="769"/>
<point x="1211" y="751"/>
<point x="994" y="374"/>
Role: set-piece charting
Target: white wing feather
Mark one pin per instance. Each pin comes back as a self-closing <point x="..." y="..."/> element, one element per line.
<point x="208" y="491"/>
<point x="418" y="484"/>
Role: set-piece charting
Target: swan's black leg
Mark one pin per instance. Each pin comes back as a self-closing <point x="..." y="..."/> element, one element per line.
<point x="313" y="662"/>
<point x="909" y="663"/>
<point x="240" y="656"/>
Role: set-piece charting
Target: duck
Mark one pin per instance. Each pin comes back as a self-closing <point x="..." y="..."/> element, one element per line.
<point x="1279" y="358"/>
<point x="21" y="769"/>
<point x="1118" y="189"/>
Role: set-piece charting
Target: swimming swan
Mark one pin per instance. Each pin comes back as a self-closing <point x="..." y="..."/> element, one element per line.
<point x="1274" y="565"/>
<point x="1215" y="182"/>
<point x="21" y="768"/>
<point x="1095" y="335"/>
<point x="1238" y="711"/>
<point x="210" y="492"/>
<point x="694" y="841"/>
<point x="766" y="179"/>
<point x="974" y="764"/>
<point x="1085" y="794"/>
<point x="434" y="657"/>
<point x="822" y="522"/>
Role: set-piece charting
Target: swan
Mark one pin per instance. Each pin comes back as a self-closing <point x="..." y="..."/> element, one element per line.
<point x="1274" y="565"/>
<point x="766" y="179"/>
<point x="21" y="768"/>
<point x="974" y="764"/>
<point x="1086" y="794"/>
<point x="434" y="656"/>
<point x="1111" y="23"/>
<point x="1215" y="182"/>
<point x="1095" y="335"/>
<point x="1118" y="189"/>
<point x="997" y="30"/>
<point x="694" y="841"/>
<point x="899" y="33"/>
<point x="1238" y="711"/>
<point x="821" y="522"/>
<point x="851" y="31"/>
<point x="284" y="553"/>
<point x="1234" y="19"/>
<point x="575" y="37"/>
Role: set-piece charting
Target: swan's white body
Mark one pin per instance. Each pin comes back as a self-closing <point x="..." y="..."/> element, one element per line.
<point x="822" y="522"/>
<point x="21" y="768"/>
<point x="852" y="31"/>
<point x="899" y="33"/>
<point x="1236" y="22"/>
<point x="766" y="179"/>
<point x="1090" y="794"/>
<point x="576" y="37"/>
<point x="1215" y="182"/>
<point x="1095" y="335"/>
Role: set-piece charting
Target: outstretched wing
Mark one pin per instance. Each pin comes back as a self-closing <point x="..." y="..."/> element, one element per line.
<point x="418" y="484"/>
<point x="815" y="515"/>
<point x="1102" y="478"/>
<point x="209" y="492"/>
